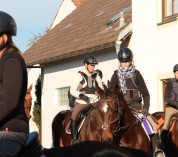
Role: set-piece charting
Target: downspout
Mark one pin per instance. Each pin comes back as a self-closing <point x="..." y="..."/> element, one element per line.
<point x="121" y="24"/>
<point x="123" y="34"/>
<point x="118" y="45"/>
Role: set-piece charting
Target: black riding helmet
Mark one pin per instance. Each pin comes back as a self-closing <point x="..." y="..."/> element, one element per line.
<point x="7" y="24"/>
<point x="175" y="68"/>
<point x="89" y="59"/>
<point x="125" y="55"/>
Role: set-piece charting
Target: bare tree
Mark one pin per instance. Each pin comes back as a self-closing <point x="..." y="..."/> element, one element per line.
<point x="35" y="38"/>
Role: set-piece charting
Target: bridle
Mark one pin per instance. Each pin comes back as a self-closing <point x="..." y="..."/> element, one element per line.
<point x="106" y="125"/>
<point x="139" y="120"/>
<point x="129" y="125"/>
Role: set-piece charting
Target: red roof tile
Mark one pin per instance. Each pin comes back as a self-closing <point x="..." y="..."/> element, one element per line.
<point x="85" y="29"/>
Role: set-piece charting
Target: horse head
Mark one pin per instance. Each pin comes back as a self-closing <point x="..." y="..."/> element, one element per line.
<point x="108" y="113"/>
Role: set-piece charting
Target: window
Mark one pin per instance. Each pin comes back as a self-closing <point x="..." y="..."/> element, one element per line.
<point x="169" y="10"/>
<point x="164" y="81"/>
<point x="62" y="96"/>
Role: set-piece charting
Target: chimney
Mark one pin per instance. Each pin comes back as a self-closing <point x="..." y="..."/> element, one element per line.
<point x="78" y="2"/>
<point x="122" y="20"/>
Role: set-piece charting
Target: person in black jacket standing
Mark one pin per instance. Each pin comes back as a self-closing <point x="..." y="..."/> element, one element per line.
<point x="14" y="125"/>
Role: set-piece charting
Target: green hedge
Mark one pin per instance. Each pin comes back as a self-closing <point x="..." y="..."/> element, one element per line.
<point x="37" y="106"/>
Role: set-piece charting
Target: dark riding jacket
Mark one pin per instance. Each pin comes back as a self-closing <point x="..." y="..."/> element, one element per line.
<point x="136" y="88"/>
<point x="171" y="92"/>
<point x="85" y="84"/>
<point x="13" y="86"/>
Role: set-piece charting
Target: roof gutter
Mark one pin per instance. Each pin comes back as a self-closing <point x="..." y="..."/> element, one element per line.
<point x="34" y="66"/>
<point x="72" y="54"/>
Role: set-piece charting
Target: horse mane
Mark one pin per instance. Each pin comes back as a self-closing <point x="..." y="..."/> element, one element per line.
<point x="116" y="94"/>
<point x="28" y="101"/>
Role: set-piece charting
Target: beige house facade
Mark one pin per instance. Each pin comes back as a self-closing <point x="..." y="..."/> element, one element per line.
<point x="151" y="34"/>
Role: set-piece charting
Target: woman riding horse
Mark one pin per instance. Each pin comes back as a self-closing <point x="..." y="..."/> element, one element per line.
<point x="171" y="97"/>
<point x="133" y="87"/>
<point x="84" y="89"/>
<point x="99" y="123"/>
<point x="14" y="124"/>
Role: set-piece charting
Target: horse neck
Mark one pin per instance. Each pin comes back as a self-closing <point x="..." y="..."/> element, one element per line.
<point x="128" y="116"/>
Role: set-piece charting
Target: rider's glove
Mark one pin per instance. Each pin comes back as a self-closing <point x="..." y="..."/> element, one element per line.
<point x="145" y="111"/>
<point x="94" y="75"/>
<point x="85" y="98"/>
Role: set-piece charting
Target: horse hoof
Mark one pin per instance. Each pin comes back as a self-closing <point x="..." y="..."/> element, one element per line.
<point x="159" y="153"/>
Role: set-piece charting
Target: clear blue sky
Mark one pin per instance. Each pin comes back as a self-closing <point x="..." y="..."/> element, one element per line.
<point x="32" y="17"/>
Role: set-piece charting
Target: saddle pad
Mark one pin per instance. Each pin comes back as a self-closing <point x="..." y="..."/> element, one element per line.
<point x="160" y="123"/>
<point x="145" y="124"/>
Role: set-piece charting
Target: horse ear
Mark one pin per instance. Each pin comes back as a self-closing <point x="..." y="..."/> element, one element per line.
<point x="108" y="83"/>
<point x="117" y="90"/>
<point x="100" y="91"/>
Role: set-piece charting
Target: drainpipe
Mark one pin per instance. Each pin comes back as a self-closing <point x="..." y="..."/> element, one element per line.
<point x="121" y="24"/>
<point x="118" y="45"/>
<point x="122" y="35"/>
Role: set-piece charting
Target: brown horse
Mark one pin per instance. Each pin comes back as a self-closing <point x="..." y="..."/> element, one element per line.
<point x="130" y="132"/>
<point x="93" y="149"/>
<point x="171" y="142"/>
<point x="99" y="124"/>
<point x="28" y="101"/>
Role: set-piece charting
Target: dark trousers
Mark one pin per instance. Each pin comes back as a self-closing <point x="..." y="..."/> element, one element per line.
<point x="11" y="143"/>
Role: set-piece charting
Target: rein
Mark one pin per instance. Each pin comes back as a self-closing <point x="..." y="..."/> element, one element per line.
<point x="118" y="128"/>
<point x="127" y="126"/>
<point x="106" y="125"/>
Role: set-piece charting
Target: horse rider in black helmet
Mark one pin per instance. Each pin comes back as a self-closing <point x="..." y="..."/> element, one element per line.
<point x="133" y="88"/>
<point x="171" y="99"/>
<point x="14" y="124"/>
<point x="84" y="89"/>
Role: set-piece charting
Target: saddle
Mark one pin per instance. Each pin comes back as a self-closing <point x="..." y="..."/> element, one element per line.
<point x="81" y="118"/>
<point x="160" y="123"/>
<point x="32" y="146"/>
<point x="145" y="124"/>
<point x="143" y="120"/>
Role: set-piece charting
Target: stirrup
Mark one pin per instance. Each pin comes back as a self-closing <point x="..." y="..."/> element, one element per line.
<point x="159" y="153"/>
<point x="75" y="141"/>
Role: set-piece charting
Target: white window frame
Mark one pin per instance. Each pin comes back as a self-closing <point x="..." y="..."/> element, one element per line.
<point x="62" y="96"/>
<point x="167" y="11"/>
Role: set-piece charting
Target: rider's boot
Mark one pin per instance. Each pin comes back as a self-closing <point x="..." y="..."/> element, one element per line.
<point x="74" y="132"/>
<point x="158" y="152"/>
<point x="163" y="136"/>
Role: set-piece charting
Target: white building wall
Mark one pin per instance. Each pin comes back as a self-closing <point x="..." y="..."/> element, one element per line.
<point x="62" y="75"/>
<point x="155" y="54"/>
<point x="154" y="47"/>
<point x="67" y="6"/>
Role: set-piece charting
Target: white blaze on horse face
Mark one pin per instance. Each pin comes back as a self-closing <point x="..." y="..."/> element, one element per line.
<point x="105" y="107"/>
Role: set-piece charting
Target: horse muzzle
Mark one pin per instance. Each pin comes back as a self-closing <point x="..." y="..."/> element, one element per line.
<point x="106" y="137"/>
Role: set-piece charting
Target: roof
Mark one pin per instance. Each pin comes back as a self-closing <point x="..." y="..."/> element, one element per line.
<point x="83" y="31"/>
